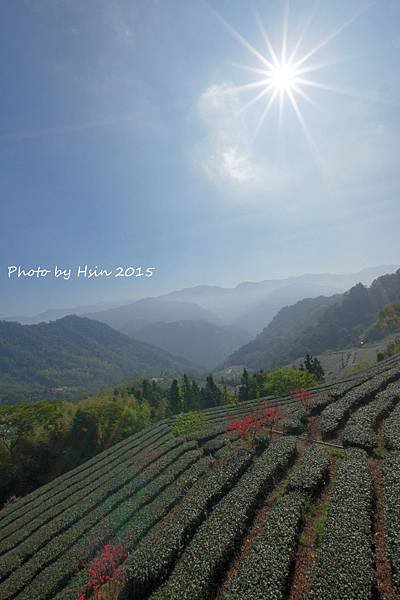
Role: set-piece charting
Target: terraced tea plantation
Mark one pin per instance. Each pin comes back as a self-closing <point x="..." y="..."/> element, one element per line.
<point x="308" y="510"/>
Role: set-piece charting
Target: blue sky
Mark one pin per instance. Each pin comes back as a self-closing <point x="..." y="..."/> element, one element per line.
<point x="123" y="141"/>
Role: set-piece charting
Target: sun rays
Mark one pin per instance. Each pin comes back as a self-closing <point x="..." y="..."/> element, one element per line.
<point x="285" y="74"/>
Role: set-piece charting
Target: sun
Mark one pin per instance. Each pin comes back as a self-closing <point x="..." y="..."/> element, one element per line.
<point x="284" y="75"/>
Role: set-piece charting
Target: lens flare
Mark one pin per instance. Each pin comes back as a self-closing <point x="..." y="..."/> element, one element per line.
<point x="282" y="74"/>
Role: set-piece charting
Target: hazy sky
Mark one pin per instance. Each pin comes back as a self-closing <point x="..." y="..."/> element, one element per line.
<point x="124" y="140"/>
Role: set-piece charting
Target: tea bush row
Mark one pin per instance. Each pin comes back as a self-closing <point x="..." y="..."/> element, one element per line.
<point x="43" y="527"/>
<point x="46" y="545"/>
<point x="344" y="561"/>
<point x="134" y="517"/>
<point x="216" y="540"/>
<point x="26" y="519"/>
<point x="311" y="471"/>
<point x="334" y="414"/>
<point x="359" y="430"/>
<point x="391" y="430"/>
<point x="391" y="492"/>
<point x="151" y="561"/>
<point x="264" y="573"/>
<point x="139" y="441"/>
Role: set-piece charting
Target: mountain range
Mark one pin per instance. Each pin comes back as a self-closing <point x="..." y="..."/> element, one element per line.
<point x="319" y="324"/>
<point x="208" y="323"/>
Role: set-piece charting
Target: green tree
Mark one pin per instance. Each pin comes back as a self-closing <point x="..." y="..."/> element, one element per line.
<point x="227" y="396"/>
<point x="196" y="396"/>
<point x="212" y="395"/>
<point x="175" y="398"/>
<point x="187" y="394"/>
<point x="244" y="389"/>
<point x="285" y="380"/>
<point x="313" y="366"/>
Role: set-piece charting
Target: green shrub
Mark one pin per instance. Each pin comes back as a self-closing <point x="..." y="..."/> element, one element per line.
<point x="188" y="423"/>
<point x="312" y="471"/>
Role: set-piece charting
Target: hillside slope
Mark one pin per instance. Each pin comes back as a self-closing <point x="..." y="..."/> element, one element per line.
<point x="177" y="514"/>
<point x="205" y="344"/>
<point x="74" y="354"/>
<point x="316" y="325"/>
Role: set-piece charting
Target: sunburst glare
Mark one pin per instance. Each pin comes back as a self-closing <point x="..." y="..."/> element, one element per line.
<point x="284" y="76"/>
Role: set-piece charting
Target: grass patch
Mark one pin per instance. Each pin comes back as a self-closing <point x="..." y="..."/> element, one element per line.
<point x="377" y="452"/>
<point x="303" y="539"/>
<point x="320" y="523"/>
<point x="336" y="453"/>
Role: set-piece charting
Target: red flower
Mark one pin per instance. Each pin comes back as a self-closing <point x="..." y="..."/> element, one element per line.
<point x="103" y="568"/>
<point x="250" y="424"/>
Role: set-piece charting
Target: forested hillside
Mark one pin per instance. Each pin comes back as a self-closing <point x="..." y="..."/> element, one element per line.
<point x="320" y="324"/>
<point x="70" y="356"/>
<point x="388" y="322"/>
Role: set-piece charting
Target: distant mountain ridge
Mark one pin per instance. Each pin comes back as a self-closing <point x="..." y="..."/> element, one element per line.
<point x="318" y="324"/>
<point x="230" y="304"/>
<point x="130" y="318"/>
<point x="203" y="343"/>
<point x="72" y="355"/>
<point x="252" y="305"/>
<point x="214" y="312"/>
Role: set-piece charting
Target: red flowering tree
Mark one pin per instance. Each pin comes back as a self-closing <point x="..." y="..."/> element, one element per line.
<point x="102" y="569"/>
<point x="251" y="426"/>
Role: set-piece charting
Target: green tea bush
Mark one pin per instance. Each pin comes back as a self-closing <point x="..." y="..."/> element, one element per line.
<point x="344" y="566"/>
<point x="391" y="430"/>
<point x="311" y="472"/>
<point x="359" y="430"/>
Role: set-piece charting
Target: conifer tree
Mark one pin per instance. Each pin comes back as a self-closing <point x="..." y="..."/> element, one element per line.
<point x="244" y="390"/>
<point x="212" y="395"/>
<point x="175" y="398"/>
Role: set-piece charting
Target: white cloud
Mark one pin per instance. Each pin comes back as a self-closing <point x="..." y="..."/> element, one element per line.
<point x="236" y="165"/>
<point x="226" y="154"/>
